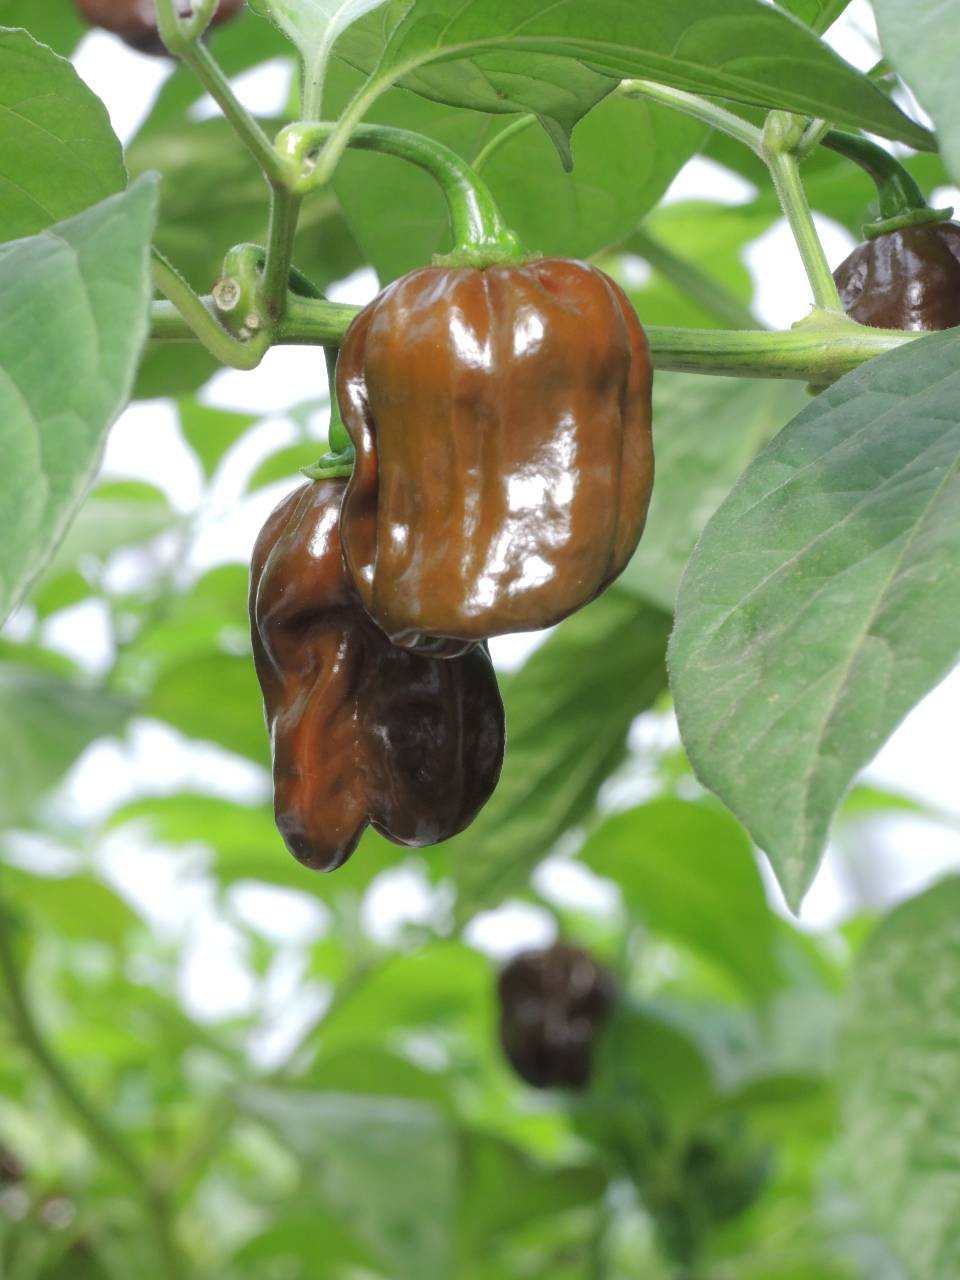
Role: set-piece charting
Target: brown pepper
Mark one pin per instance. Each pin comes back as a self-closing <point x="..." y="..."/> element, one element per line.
<point x="552" y="1006"/>
<point x="907" y="279"/>
<point x="135" y="21"/>
<point x="501" y="420"/>
<point x="361" y="731"/>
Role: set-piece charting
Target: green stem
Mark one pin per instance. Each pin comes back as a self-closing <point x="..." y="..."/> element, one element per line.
<point x="809" y="353"/>
<point x="478" y="228"/>
<point x="699" y="108"/>
<point x="695" y="283"/>
<point x="198" y="316"/>
<point x="284" y="214"/>
<point x="900" y="200"/>
<point x="499" y="139"/>
<point x="183" y="40"/>
<point x="340" y="134"/>
<point x="92" y="1119"/>
<point x="780" y="136"/>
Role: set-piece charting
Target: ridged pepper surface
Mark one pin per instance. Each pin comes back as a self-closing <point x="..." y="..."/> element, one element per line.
<point x="361" y="731"/>
<point x="501" y="420"/>
<point x="907" y="279"/>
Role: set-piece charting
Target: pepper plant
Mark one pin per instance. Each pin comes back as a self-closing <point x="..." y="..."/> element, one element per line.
<point x="747" y="1100"/>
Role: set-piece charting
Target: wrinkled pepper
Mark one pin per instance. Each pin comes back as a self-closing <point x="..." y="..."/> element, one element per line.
<point x="135" y="21"/>
<point x="361" y="732"/>
<point x="553" y="1005"/>
<point x="501" y="421"/>
<point x="905" y="279"/>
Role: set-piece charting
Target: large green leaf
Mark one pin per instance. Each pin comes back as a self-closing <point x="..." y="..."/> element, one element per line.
<point x="568" y="712"/>
<point x="899" y="1077"/>
<point x="819" y="14"/>
<point x="922" y="40"/>
<point x="688" y="870"/>
<point x="58" y="154"/>
<point x="74" y="320"/>
<point x="742" y="50"/>
<point x="706" y="431"/>
<point x="822" y="601"/>
<point x="45" y="723"/>
<point x="387" y="1165"/>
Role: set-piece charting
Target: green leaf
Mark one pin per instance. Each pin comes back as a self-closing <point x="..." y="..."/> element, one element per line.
<point x="72" y="906"/>
<point x="214" y="697"/>
<point x="285" y="464"/>
<point x="899" y="1076"/>
<point x="75" y="317"/>
<point x="388" y="1166"/>
<point x="741" y="50"/>
<point x="58" y="154"/>
<point x="173" y="369"/>
<point x="688" y="870"/>
<point x="819" y="605"/>
<point x="50" y="21"/>
<point x="46" y="721"/>
<point x="921" y="38"/>
<point x="706" y="430"/>
<point x="568" y="711"/>
<point x="292" y="1239"/>
<point x="314" y="26"/>
<point x="115" y="515"/>
<point x="398" y="214"/>
<point x="211" y="432"/>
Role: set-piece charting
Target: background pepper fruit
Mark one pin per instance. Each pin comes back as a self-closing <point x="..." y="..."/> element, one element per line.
<point x="501" y="420"/>
<point x="552" y="1005"/>
<point x="135" y="21"/>
<point x="906" y="279"/>
<point x="361" y="732"/>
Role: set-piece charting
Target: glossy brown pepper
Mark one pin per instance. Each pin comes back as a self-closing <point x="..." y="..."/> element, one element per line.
<point x="501" y="419"/>
<point x="908" y="279"/>
<point x="361" y="732"/>
<point x="552" y="1006"/>
<point x="135" y="21"/>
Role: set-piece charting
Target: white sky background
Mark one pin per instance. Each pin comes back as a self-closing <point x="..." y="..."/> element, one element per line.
<point x="920" y="759"/>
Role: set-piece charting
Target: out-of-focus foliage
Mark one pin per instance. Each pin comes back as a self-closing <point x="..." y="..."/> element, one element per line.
<point x="305" y="1068"/>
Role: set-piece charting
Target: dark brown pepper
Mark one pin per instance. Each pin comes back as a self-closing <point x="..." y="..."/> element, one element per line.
<point x="135" y="21"/>
<point x="501" y="419"/>
<point x="908" y="279"/>
<point x="552" y="1006"/>
<point x="361" y="732"/>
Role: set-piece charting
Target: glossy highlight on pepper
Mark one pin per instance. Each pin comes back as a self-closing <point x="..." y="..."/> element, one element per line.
<point x="361" y="732"/>
<point x="502" y="426"/>
<point x="553" y="1004"/>
<point x="135" y="21"/>
<point x="906" y="279"/>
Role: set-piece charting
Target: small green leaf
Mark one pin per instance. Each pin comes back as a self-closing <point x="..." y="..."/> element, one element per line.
<point x="75" y="318"/>
<point x="568" y="711"/>
<point x="211" y="432"/>
<point x="58" y="154"/>
<point x="921" y="38"/>
<point x="688" y="870"/>
<point x="72" y="906"/>
<point x="822" y="601"/>
<point x="387" y="1165"/>
<point x="46" y="721"/>
<point x="285" y="464"/>
<point x="899" y="1077"/>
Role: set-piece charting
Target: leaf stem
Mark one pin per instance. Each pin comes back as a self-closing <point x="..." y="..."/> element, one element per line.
<point x="699" y="108"/>
<point x="901" y="202"/>
<point x="97" y="1124"/>
<point x="818" y="351"/>
<point x="198" y="316"/>
<point x="696" y="284"/>
<point x="500" y="139"/>
<point x="282" y="227"/>
<point x="782" y="134"/>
